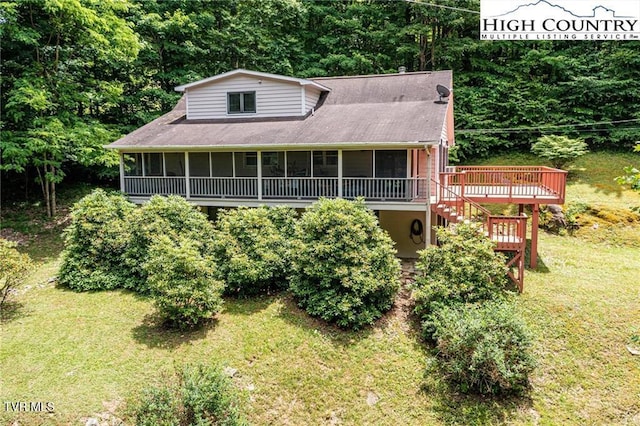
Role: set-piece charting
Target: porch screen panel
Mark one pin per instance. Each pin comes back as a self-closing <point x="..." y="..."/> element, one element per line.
<point x="299" y="164"/>
<point x="199" y="164"/>
<point x="391" y="164"/>
<point x="222" y="163"/>
<point x="133" y="164"/>
<point x="153" y="164"/>
<point x="325" y="163"/>
<point x="246" y="164"/>
<point x="174" y="163"/>
<point x="357" y="163"/>
<point x="273" y="164"/>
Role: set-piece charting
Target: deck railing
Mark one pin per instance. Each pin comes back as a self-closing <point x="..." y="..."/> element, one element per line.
<point x="508" y="232"/>
<point x="510" y="182"/>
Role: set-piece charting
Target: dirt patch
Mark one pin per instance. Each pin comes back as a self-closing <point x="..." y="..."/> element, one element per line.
<point x="15" y="236"/>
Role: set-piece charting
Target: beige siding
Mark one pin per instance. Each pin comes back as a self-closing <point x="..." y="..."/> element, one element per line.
<point x="311" y="98"/>
<point x="273" y="98"/>
<point x="398" y="225"/>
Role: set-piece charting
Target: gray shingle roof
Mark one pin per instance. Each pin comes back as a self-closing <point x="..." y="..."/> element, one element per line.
<point x="376" y="110"/>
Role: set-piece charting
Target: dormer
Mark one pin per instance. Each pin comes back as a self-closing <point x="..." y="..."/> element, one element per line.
<point x="242" y="94"/>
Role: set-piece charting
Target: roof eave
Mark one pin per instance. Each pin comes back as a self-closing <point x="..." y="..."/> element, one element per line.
<point x="277" y="147"/>
<point x="300" y="81"/>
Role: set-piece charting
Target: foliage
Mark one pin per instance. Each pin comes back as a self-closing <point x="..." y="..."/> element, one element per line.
<point x="560" y="150"/>
<point x="484" y="348"/>
<point x="198" y="395"/>
<point x="252" y="248"/>
<point x="182" y="281"/>
<point x="172" y="216"/>
<point x="463" y="269"/>
<point x="14" y="267"/>
<point x="95" y="242"/>
<point x="62" y="79"/>
<point x="631" y="176"/>
<point x="344" y="265"/>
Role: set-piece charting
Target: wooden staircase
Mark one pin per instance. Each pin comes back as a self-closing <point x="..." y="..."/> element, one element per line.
<point x="507" y="232"/>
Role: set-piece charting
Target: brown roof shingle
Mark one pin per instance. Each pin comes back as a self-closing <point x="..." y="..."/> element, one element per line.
<point x="380" y="109"/>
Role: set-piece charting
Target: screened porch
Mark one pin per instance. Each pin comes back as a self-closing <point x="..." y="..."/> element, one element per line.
<point x="382" y="175"/>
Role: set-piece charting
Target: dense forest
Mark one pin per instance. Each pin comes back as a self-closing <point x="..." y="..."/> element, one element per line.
<point x="78" y="74"/>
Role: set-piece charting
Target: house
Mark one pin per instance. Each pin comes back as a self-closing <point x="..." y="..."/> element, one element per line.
<point x="247" y="138"/>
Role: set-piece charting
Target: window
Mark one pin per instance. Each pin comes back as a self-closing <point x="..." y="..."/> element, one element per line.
<point x="241" y="102"/>
<point x="246" y="164"/>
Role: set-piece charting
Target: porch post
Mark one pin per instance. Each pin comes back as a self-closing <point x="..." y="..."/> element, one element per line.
<point x="339" y="173"/>
<point x="187" y="172"/>
<point x="427" y="225"/>
<point x="259" y="166"/>
<point x="533" y="256"/>
<point x="122" y="172"/>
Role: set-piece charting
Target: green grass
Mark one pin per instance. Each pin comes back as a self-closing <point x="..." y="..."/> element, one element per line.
<point x="89" y="353"/>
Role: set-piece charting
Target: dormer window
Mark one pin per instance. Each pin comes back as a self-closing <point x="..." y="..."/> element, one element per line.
<point x="241" y="102"/>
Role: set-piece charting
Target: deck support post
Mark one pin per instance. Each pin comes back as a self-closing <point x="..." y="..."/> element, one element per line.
<point x="520" y="209"/>
<point x="533" y="257"/>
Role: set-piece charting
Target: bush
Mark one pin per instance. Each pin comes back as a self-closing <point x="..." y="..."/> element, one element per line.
<point x="344" y="265"/>
<point x="95" y="242"/>
<point x="14" y="267"/>
<point x="463" y="269"/>
<point x="182" y="281"/>
<point x="560" y="150"/>
<point x="484" y="348"/>
<point x="252" y="248"/>
<point x="199" y="395"/>
<point x="172" y="216"/>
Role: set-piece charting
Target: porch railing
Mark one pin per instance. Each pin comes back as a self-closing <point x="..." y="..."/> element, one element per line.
<point x="224" y="187"/>
<point x="139" y="185"/>
<point x="385" y="189"/>
<point x="303" y="188"/>
<point x="299" y="187"/>
<point x="508" y="182"/>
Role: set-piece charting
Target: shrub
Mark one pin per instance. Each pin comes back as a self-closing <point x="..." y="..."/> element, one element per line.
<point x="484" y="348"/>
<point x="182" y="281"/>
<point x="463" y="269"/>
<point x="198" y="395"/>
<point x="172" y="216"/>
<point x="14" y="267"/>
<point x="560" y="150"/>
<point x="344" y="268"/>
<point x="95" y="242"/>
<point x="252" y="248"/>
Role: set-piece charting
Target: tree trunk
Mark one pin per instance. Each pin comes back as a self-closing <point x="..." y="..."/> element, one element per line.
<point x="54" y="207"/>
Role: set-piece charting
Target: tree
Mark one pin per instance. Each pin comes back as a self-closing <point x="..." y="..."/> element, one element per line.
<point x="560" y="150"/>
<point x="60" y="60"/>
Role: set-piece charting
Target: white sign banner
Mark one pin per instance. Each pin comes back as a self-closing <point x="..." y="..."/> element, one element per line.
<point x="560" y="20"/>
